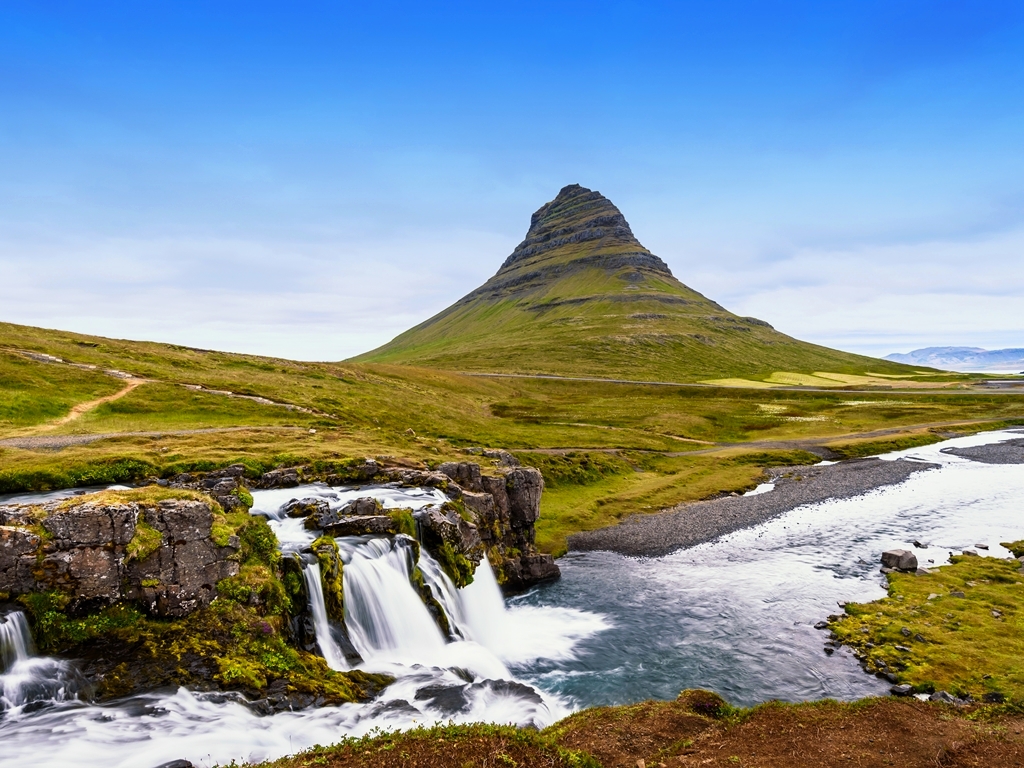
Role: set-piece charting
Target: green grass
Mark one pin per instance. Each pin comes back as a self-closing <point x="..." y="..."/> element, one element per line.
<point x="35" y="393"/>
<point x="643" y="447"/>
<point x="588" y="491"/>
<point x="965" y="645"/>
<point x="860" y="448"/>
<point x="502" y="746"/>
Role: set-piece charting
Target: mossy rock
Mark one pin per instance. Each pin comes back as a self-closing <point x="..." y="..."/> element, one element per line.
<point x="331" y="576"/>
<point x="460" y="569"/>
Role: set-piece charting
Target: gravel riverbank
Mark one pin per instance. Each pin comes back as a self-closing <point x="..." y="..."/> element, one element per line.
<point x="690" y="524"/>
<point x="1010" y="452"/>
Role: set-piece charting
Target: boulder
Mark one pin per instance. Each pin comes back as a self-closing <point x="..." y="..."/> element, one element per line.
<point x="280" y="478"/>
<point x="223" y="485"/>
<point x="445" y="525"/>
<point x="362" y="525"/>
<point x="465" y="473"/>
<point x="502" y="458"/>
<point x="900" y="560"/>
<point x="306" y="507"/>
<point x="326" y="519"/>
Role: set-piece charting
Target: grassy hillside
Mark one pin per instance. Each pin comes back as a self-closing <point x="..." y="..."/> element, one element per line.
<point x="580" y="296"/>
<point x="606" y="449"/>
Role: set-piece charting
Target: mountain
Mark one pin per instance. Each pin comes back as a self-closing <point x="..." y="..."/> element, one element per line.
<point x="964" y="359"/>
<point x="580" y="296"/>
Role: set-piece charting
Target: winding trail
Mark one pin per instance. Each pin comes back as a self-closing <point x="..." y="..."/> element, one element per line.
<point x="83" y="408"/>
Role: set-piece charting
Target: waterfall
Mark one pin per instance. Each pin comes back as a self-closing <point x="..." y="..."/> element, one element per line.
<point x="25" y="678"/>
<point x="483" y="606"/>
<point x="383" y="613"/>
<point x="15" y="640"/>
<point x="325" y="639"/>
<point x="445" y="592"/>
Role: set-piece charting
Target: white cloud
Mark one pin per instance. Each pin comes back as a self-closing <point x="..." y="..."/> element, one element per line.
<point x="881" y="298"/>
<point x="322" y="300"/>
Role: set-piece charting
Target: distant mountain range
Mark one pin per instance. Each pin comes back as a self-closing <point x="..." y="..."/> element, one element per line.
<point x="964" y="359"/>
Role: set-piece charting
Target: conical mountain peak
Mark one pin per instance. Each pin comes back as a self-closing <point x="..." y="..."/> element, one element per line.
<point x="580" y="296"/>
<point x="585" y="224"/>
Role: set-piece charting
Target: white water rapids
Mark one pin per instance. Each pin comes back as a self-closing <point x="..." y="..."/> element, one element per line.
<point x="735" y="615"/>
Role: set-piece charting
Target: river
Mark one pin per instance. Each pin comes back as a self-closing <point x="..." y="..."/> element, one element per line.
<point x="735" y="615"/>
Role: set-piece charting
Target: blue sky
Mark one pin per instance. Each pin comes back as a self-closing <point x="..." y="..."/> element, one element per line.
<point x="310" y="179"/>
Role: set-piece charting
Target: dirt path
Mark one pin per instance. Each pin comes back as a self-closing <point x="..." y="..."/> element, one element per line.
<point x="83" y="408"/>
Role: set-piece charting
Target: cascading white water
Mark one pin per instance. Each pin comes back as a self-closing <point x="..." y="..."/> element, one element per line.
<point x="383" y="613"/>
<point x="445" y="592"/>
<point x="483" y="606"/>
<point x="15" y="640"/>
<point x="435" y="680"/>
<point x="328" y="646"/>
<point x="25" y="678"/>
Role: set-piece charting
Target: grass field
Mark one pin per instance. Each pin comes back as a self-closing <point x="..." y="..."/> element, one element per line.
<point x="606" y="449"/>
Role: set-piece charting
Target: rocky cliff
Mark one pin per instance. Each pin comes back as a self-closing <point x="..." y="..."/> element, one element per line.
<point x="157" y="553"/>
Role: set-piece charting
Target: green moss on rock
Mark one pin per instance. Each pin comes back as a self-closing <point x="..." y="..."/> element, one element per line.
<point x="145" y="542"/>
<point x="459" y="568"/>
<point x="404" y="521"/>
<point x="331" y="577"/>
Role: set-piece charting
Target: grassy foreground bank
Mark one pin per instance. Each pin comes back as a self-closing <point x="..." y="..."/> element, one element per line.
<point x="699" y="729"/>
<point x="959" y="628"/>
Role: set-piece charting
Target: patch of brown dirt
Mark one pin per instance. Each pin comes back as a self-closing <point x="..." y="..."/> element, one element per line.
<point x="882" y="732"/>
<point x="866" y="734"/>
<point x="618" y="736"/>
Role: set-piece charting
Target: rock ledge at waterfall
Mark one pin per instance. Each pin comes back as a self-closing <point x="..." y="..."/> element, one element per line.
<point x="159" y="554"/>
<point x="493" y="513"/>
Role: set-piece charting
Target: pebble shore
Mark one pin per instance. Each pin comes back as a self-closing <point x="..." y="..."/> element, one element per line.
<point x="690" y="524"/>
<point x="687" y="525"/>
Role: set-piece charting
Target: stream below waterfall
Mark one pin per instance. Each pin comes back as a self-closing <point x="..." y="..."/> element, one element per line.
<point x="735" y="615"/>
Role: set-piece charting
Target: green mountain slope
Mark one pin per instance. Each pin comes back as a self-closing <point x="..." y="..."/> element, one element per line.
<point x="580" y="296"/>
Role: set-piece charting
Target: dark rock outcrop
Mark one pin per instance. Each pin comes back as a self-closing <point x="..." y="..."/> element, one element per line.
<point x="157" y="554"/>
<point x="506" y="507"/>
<point x="226" y="486"/>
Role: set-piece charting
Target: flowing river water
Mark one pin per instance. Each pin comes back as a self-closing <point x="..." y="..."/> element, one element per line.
<point x="735" y="615"/>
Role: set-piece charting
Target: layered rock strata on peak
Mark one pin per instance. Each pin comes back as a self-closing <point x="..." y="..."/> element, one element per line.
<point x="579" y="215"/>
